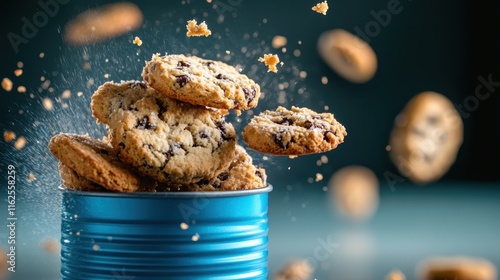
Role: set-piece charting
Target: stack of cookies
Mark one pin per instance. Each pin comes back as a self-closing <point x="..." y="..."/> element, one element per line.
<point x="169" y="133"/>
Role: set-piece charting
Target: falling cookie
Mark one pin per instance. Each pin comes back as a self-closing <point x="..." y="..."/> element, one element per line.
<point x="426" y="137"/>
<point x="348" y="55"/>
<point x="298" y="131"/>
<point x="456" y="268"/>
<point x="103" y="23"/>
<point x="201" y="82"/>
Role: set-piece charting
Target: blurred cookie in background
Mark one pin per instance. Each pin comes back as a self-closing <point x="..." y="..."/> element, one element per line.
<point x="355" y="192"/>
<point x="102" y="23"/>
<point x="395" y="275"/>
<point x="50" y="245"/>
<point x="426" y="137"/>
<point x="348" y="55"/>
<point x="456" y="268"/>
<point x="295" y="269"/>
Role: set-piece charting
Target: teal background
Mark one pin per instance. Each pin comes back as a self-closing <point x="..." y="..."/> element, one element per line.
<point x="441" y="46"/>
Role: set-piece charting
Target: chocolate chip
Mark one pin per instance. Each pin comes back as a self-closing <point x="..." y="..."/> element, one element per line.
<point x="104" y="151"/>
<point x="121" y="145"/>
<point x="223" y="131"/>
<point x="223" y="176"/>
<point x="208" y="63"/>
<point x="286" y="121"/>
<point x="250" y="94"/>
<point x="161" y="109"/>
<point x="203" y="134"/>
<point x="169" y="154"/>
<point x="325" y="135"/>
<point x="138" y="84"/>
<point x="182" y="80"/>
<point x="309" y="125"/>
<point x="261" y="176"/>
<point x="279" y="141"/>
<point x="183" y="64"/>
<point x="220" y="76"/>
<point x="145" y="124"/>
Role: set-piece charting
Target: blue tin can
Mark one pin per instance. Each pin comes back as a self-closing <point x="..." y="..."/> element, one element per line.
<point x="171" y="235"/>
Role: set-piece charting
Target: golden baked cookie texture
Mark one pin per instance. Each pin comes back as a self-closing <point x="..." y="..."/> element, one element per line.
<point x="72" y="180"/>
<point x="96" y="161"/>
<point x="298" y="131"/>
<point x="164" y="138"/>
<point x="241" y="175"/>
<point x="201" y="82"/>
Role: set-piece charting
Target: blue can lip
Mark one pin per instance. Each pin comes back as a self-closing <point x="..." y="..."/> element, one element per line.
<point x="234" y="193"/>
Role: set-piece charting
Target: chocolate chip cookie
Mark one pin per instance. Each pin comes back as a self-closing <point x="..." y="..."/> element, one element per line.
<point x="298" y="131"/>
<point x="96" y="161"/>
<point x="456" y="268"/>
<point x="241" y="175"/>
<point x="72" y="180"/>
<point x="201" y="82"/>
<point x="169" y="140"/>
<point x="426" y="137"/>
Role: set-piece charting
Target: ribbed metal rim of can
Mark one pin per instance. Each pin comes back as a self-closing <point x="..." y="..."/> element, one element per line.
<point x="234" y="193"/>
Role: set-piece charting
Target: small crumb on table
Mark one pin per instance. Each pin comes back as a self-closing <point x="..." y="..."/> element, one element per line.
<point x="270" y="60"/>
<point x="321" y="8"/>
<point x="197" y="30"/>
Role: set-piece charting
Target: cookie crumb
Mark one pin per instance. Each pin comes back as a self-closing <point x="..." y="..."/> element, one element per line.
<point x="66" y="94"/>
<point x="388" y="148"/>
<point x="137" y="41"/>
<point x="238" y="113"/>
<point x="20" y="143"/>
<point x="41" y="55"/>
<point x="321" y="8"/>
<point x="47" y="104"/>
<point x="96" y="247"/>
<point x="270" y="60"/>
<point x="195" y="237"/>
<point x="9" y="135"/>
<point x="292" y="156"/>
<point x="184" y="226"/>
<point x="324" y="80"/>
<point x="18" y="72"/>
<point x="20" y="64"/>
<point x="21" y="89"/>
<point x="7" y="84"/>
<point x="279" y="41"/>
<point x="396" y="275"/>
<point x="319" y="177"/>
<point x="31" y="177"/>
<point x="197" y="30"/>
<point x="50" y="245"/>
<point x="79" y="94"/>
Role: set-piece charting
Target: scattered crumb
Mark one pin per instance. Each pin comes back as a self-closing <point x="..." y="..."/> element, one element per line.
<point x="50" y="245"/>
<point x="7" y="84"/>
<point x="31" y="177"/>
<point x="270" y="60"/>
<point x="96" y="247"/>
<point x="20" y="64"/>
<point x="279" y="41"/>
<point x="195" y="237"/>
<point x="20" y="143"/>
<point x="18" y="72"/>
<point x="137" y="41"/>
<point x="319" y="177"/>
<point x="184" y="226"/>
<point x="303" y="74"/>
<point x="292" y="156"/>
<point x="21" y="89"/>
<point x="324" y="80"/>
<point x="79" y="94"/>
<point x="321" y="8"/>
<point x="47" y="104"/>
<point x="41" y="55"/>
<point x="106" y="76"/>
<point x="324" y="159"/>
<point x="238" y="113"/>
<point x="66" y="94"/>
<point x="295" y="270"/>
<point x="396" y="275"/>
<point x="209" y="1"/>
<point x="197" y="30"/>
<point x="265" y="158"/>
<point x="9" y="135"/>
<point x="388" y="147"/>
